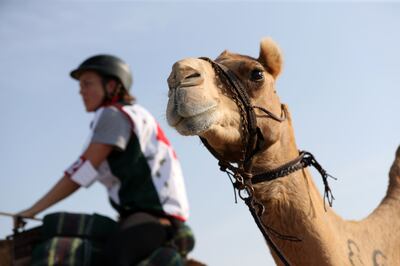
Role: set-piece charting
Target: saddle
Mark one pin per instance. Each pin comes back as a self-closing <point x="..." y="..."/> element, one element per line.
<point x="71" y="239"/>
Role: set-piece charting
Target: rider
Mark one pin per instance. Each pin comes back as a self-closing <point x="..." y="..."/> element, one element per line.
<point x="130" y="155"/>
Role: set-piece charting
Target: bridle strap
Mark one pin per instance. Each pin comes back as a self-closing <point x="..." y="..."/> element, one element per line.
<point x="272" y="115"/>
<point x="242" y="100"/>
<point x="250" y="203"/>
<point x="223" y="163"/>
<point x="251" y="144"/>
<point x="305" y="159"/>
<point x="281" y="171"/>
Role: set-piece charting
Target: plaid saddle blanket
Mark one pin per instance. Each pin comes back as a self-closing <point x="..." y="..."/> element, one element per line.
<point x="77" y="240"/>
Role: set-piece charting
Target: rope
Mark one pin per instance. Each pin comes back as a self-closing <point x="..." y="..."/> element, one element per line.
<point x="14" y="215"/>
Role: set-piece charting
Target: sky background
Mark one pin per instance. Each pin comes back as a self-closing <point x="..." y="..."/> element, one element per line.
<point x="341" y="80"/>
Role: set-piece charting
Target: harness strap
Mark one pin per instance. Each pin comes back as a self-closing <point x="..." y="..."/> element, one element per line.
<point x="304" y="160"/>
<point x="272" y="115"/>
<point x="281" y="171"/>
<point x="223" y="163"/>
<point x="250" y="202"/>
<point x="252" y="142"/>
<point x="242" y="99"/>
<point x="251" y="145"/>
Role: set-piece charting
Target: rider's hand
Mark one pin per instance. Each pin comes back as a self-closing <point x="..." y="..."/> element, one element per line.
<point x="19" y="218"/>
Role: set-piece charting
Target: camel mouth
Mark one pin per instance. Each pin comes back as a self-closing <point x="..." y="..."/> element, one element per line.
<point x="196" y="124"/>
<point x="189" y="110"/>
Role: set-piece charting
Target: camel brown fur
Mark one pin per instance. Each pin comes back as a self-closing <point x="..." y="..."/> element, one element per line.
<point x="200" y="104"/>
<point x="5" y="252"/>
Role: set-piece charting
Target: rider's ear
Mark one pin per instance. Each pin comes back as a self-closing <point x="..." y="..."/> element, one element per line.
<point x="111" y="86"/>
<point x="271" y="56"/>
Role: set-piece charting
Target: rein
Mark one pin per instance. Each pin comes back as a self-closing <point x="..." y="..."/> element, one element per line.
<point x="14" y="215"/>
<point x="252" y="143"/>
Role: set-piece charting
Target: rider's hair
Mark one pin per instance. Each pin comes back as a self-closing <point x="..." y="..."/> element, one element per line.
<point x="121" y="93"/>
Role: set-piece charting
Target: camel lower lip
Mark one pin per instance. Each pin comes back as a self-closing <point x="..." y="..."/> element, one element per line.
<point x="188" y="120"/>
<point x="195" y="124"/>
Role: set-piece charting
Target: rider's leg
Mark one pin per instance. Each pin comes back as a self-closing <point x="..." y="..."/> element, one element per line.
<point x="139" y="235"/>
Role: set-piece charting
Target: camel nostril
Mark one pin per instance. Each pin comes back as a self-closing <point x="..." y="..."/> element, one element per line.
<point x="193" y="75"/>
<point x="190" y="78"/>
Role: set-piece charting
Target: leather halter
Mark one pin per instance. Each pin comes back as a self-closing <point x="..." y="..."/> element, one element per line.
<point x="252" y="142"/>
<point x="253" y="139"/>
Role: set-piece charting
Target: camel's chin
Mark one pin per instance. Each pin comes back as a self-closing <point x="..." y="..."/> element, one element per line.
<point x="196" y="125"/>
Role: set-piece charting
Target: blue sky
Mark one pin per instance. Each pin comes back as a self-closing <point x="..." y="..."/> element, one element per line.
<point x="341" y="81"/>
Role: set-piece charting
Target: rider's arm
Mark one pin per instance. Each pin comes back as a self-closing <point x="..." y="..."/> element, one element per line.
<point x="96" y="153"/>
<point x="111" y="131"/>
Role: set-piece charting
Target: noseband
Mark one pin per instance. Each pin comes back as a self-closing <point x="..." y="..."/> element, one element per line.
<point x="252" y="143"/>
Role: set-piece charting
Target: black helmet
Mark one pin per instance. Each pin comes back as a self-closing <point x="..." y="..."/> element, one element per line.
<point x="107" y="65"/>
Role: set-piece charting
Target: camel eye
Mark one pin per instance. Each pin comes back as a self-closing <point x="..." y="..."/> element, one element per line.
<point x="256" y="75"/>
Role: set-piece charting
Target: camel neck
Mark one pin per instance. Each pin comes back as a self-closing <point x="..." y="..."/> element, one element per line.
<point x="294" y="206"/>
<point x="295" y="209"/>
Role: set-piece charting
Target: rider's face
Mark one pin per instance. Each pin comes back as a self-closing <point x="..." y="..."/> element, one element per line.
<point x="91" y="90"/>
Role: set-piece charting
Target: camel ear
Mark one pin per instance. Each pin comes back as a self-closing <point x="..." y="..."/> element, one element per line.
<point x="224" y="53"/>
<point x="271" y="56"/>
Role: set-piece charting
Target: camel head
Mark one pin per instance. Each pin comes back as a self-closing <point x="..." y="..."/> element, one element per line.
<point x="201" y="103"/>
<point x="207" y="98"/>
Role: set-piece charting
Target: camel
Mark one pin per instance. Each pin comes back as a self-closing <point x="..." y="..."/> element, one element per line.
<point x="5" y="252"/>
<point x="303" y="229"/>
